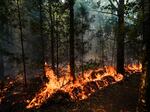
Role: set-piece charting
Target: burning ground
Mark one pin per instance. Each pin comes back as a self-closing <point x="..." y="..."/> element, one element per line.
<point x="100" y="89"/>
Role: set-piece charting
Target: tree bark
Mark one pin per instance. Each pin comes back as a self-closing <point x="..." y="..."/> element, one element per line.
<point x="1" y="52"/>
<point x="82" y="50"/>
<point x="1" y="66"/>
<point x="144" y="90"/>
<point x="146" y="36"/>
<point x="72" y="63"/>
<point x="52" y="36"/>
<point x="102" y="50"/>
<point x="120" y="37"/>
<point x="1" y="71"/>
<point x="57" y="44"/>
<point x="22" y="44"/>
<point x="41" y="36"/>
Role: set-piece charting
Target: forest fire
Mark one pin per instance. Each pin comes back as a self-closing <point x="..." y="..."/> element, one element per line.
<point x="86" y="83"/>
<point x="133" y="68"/>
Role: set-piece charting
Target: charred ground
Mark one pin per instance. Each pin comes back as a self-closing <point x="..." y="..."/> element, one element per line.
<point x="119" y="97"/>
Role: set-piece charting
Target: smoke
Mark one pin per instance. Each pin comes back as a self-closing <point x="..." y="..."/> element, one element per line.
<point x="96" y="23"/>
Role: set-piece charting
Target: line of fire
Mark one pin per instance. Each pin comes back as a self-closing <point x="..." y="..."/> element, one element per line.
<point x="74" y="55"/>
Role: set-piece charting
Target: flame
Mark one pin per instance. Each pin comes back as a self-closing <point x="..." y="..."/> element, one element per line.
<point x="133" y="68"/>
<point x="86" y="83"/>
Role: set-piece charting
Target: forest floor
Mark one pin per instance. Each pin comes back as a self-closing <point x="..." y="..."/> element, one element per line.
<point x="119" y="97"/>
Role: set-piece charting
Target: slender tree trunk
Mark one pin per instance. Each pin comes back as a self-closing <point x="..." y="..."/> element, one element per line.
<point x="1" y="66"/>
<point x="102" y="50"/>
<point x="1" y="52"/>
<point x="114" y="51"/>
<point x="120" y="38"/>
<point x="22" y="44"/>
<point x="41" y="36"/>
<point x="52" y="36"/>
<point x="147" y="42"/>
<point x="57" y="45"/>
<point x="141" y="104"/>
<point x="1" y="71"/>
<point x="72" y="63"/>
<point x="82" y="49"/>
<point x="113" y="47"/>
<point x="144" y="90"/>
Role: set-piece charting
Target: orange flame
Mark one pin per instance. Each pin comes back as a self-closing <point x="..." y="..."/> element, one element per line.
<point x="86" y="83"/>
<point x="133" y="68"/>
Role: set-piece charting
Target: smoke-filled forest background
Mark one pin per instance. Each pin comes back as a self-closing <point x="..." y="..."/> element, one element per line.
<point x="85" y="34"/>
<point x="45" y="31"/>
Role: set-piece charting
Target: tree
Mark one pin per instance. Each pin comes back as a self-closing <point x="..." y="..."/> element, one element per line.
<point x="1" y="70"/>
<point x="56" y="30"/>
<point x="41" y="34"/>
<point x="81" y="24"/>
<point x="144" y="90"/>
<point x="2" y="21"/>
<point x="120" y="10"/>
<point x="22" y="43"/>
<point x="146" y="36"/>
<point x="120" y="37"/>
<point x="71" y="41"/>
<point x="52" y="35"/>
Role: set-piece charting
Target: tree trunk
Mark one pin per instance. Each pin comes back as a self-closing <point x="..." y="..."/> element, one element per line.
<point x="144" y="90"/>
<point x="1" y="52"/>
<point x="22" y="44"/>
<point x="1" y="66"/>
<point x="57" y="45"/>
<point x="52" y="36"/>
<point x="82" y="50"/>
<point x="41" y="36"/>
<point x="146" y="36"/>
<point x="72" y="63"/>
<point x="102" y="50"/>
<point x="1" y="71"/>
<point x="120" y="38"/>
<point x="113" y="47"/>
